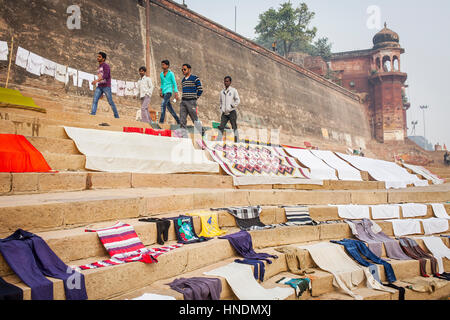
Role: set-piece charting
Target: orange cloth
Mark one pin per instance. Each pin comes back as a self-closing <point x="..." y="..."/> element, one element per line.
<point x="17" y="154"/>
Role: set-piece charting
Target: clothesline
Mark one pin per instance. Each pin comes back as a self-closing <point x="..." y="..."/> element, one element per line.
<point x="39" y="66"/>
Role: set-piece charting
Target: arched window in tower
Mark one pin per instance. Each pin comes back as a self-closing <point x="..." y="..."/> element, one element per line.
<point x="387" y="64"/>
<point x="378" y="63"/>
<point x="396" y="64"/>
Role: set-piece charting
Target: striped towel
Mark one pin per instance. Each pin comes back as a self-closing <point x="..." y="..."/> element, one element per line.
<point x="124" y="245"/>
<point x="297" y="216"/>
<point x="247" y="218"/>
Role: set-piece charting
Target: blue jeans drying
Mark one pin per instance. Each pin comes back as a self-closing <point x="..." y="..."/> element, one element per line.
<point x="356" y="248"/>
<point x="166" y="104"/>
<point x="255" y="263"/>
<point x="31" y="259"/>
<point x="97" y="94"/>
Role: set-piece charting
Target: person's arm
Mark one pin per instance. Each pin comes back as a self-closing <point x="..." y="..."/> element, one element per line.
<point x="160" y="88"/>
<point x="236" y="99"/>
<point x="150" y="85"/>
<point x="174" y="83"/>
<point x="198" y="84"/>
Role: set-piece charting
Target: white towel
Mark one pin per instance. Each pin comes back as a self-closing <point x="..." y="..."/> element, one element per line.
<point x="85" y="76"/>
<point x="154" y="296"/>
<point x="60" y="73"/>
<point x="129" y="88"/>
<point x="385" y="211"/>
<point x="352" y="211"/>
<point x="4" y="50"/>
<point x="438" y="249"/>
<point x="421" y="183"/>
<point x="411" y="210"/>
<point x="439" y="211"/>
<point x="48" y="67"/>
<point x="403" y="227"/>
<point x="22" y="57"/>
<point x="34" y="64"/>
<point x="114" y="86"/>
<point x="72" y="73"/>
<point x="120" y="88"/>
<point x="434" y="225"/>
<point x="242" y="281"/>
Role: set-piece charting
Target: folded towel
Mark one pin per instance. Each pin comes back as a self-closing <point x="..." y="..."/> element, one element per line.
<point x="22" y="57"/>
<point x="439" y="211"/>
<point x="4" y="50"/>
<point x="385" y="211"/>
<point x="403" y="227"/>
<point x="434" y="225"/>
<point x="352" y="211"/>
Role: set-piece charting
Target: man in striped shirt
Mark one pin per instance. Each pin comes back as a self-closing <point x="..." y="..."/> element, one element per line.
<point x="191" y="91"/>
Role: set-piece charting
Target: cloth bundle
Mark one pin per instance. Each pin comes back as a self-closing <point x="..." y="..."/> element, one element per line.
<point x="245" y="287"/>
<point x="413" y="250"/>
<point x="22" y="57"/>
<point x="17" y="154"/>
<point x="385" y="211"/>
<point x="300" y="285"/>
<point x="210" y="225"/>
<point x="357" y="250"/>
<point x="297" y="216"/>
<point x="242" y="243"/>
<point x="162" y="228"/>
<point x="439" y="211"/>
<point x="198" y="288"/>
<point x="411" y="210"/>
<point x="403" y="227"/>
<point x="434" y="225"/>
<point x="438" y="249"/>
<point x="9" y="291"/>
<point x="347" y="274"/>
<point x="30" y="257"/>
<point x="247" y="218"/>
<point x="123" y="246"/>
<point x="353" y="211"/>
<point x="184" y="229"/>
<point x="369" y="232"/>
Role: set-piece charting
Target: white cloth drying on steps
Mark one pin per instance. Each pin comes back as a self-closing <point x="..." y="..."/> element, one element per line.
<point x="438" y="249"/>
<point x="60" y="73"/>
<point x="410" y="210"/>
<point x="34" y="64"/>
<point x="72" y="73"/>
<point x="85" y="76"/>
<point x="439" y="211"/>
<point x="434" y="225"/>
<point x="48" y="67"/>
<point x="353" y="211"/>
<point x="403" y="227"/>
<point x="385" y="211"/>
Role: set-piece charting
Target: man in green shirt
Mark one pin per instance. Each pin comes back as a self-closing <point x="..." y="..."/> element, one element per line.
<point x="168" y="86"/>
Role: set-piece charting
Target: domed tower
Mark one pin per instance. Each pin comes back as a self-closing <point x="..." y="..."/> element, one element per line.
<point x="388" y="106"/>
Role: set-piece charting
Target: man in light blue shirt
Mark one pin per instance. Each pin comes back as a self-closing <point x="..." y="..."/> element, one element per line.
<point x="168" y="86"/>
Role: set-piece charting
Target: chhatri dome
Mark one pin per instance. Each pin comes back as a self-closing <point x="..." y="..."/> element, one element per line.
<point x="386" y="38"/>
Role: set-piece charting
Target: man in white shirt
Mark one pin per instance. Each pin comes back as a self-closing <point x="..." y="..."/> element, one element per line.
<point x="145" y="89"/>
<point x="229" y="100"/>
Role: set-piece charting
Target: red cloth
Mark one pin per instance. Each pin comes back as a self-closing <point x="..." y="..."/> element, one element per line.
<point x="17" y="154"/>
<point x="133" y="129"/>
<point x="163" y="133"/>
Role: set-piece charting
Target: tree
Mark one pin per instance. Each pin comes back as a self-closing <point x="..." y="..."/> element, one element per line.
<point x="321" y="48"/>
<point x="287" y="26"/>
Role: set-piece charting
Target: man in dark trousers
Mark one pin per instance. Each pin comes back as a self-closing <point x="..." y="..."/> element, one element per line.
<point x="191" y="91"/>
<point x="229" y="100"/>
<point x="103" y="85"/>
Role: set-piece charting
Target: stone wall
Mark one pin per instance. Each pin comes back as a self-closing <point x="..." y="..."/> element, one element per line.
<point x="275" y="92"/>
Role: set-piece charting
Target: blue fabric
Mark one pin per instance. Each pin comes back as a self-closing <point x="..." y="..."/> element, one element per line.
<point x="192" y="87"/>
<point x="166" y="104"/>
<point x="259" y="267"/>
<point x="97" y="94"/>
<point x="356" y="248"/>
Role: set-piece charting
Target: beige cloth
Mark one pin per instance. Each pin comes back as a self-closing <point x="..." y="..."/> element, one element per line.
<point x="347" y="274"/>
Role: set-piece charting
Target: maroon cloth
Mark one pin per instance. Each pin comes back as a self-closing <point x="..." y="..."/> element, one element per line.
<point x="105" y="71"/>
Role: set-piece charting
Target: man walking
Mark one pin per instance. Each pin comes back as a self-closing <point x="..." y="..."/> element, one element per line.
<point x="145" y="86"/>
<point x="168" y="86"/>
<point x="191" y="91"/>
<point x="103" y="85"/>
<point x="229" y="100"/>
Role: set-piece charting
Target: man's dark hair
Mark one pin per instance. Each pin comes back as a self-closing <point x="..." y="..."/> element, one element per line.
<point x="143" y="69"/>
<point x="228" y="77"/>
<point x="166" y="62"/>
<point x="187" y="65"/>
<point x="102" y="54"/>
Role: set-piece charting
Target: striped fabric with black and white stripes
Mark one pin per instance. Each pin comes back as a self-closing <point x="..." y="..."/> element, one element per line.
<point x="297" y="216"/>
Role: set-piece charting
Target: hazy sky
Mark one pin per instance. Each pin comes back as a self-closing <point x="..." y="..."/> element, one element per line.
<point x="423" y="27"/>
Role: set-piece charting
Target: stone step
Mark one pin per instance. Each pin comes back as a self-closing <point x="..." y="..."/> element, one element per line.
<point x="65" y="162"/>
<point x="62" y="210"/>
<point x="81" y="179"/>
